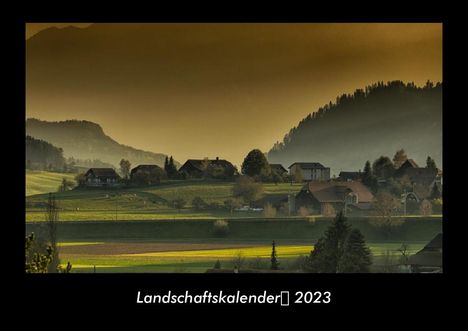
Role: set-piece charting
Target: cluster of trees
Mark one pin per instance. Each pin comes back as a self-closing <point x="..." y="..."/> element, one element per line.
<point x="41" y="155"/>
<point x="72" y="164"/>
<point x="170" y="168"/>
<point x="388" y="188"/>
<point x="383" y="169"/>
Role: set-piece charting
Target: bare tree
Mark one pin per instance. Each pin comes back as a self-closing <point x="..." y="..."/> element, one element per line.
<point x="269" y="210"/>
<point x="238" y="260"/>
<point x="385" y="206"/>
<point x="328" y="210"/>
<point x="125" y="168"/>
<point x="425" y="208"/>
<point x="404" y="251"/>
<point x="52" y="217"/>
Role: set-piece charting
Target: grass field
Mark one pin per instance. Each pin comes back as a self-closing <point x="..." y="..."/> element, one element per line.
<point x="146" y="203"/>
<point x="134" y="230"/>
<point x="160" y="257"/>
<point x="40" y="182"/>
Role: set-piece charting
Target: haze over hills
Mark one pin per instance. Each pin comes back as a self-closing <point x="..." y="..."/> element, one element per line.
<point x="87" y="140"/>
<point x="209" y="90"/>
<point x="363" y="126"/>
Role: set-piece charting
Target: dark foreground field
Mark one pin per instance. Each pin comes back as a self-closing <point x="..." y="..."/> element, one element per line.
<point x="192" y="246"/>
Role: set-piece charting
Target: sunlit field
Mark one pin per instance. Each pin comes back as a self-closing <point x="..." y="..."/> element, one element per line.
<point x="157" y="257"/>
<point x="40" y="182"/>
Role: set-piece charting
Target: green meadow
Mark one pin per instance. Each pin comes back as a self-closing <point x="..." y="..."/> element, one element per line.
<point x="145" y="203"/>
<point x="134" y="229"/>
<point x="40" y="182"/>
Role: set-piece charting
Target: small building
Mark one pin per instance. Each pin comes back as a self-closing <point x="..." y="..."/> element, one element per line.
<point x="197" y="168"/>
<point x="428" y="259"/>
<point x="318" y="196"/>
<point x="310" y="171"/>
<point x="349" y="176"/>
<point x="147" y="174"/>
<point x="101" y="177"/>
<point x="278" y="168"/>
<point x="422" y="180"/>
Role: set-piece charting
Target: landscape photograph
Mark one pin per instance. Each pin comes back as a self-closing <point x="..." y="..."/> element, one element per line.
<point x="233" y="148"/>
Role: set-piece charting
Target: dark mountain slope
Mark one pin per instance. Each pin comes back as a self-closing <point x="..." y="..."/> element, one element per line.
<point x="371" y="122"/>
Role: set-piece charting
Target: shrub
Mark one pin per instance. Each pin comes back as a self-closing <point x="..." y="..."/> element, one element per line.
<point x="247" y="189"/>
<point x="178" y="203"/>
<point x="214" y="206"/>
<point x="198" y="203"/>
<point x="258" y="263"/>
<point x="328" y="210"/>
<point x="425" y="209"/>
<point x="220" y="228"/>
<point x="437" y="206"/>
<point x="299" y="263"/>
<point x="269" y="210"/>
<point x="232" y="204"/>
<point x="303" y="211"/>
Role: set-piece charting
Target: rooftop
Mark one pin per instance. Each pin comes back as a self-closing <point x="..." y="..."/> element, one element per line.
<point x="308" y="165"/>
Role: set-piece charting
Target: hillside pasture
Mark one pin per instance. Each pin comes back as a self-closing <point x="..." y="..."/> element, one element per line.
<point x="41" y="182"/>
<point x="147" y="203"/>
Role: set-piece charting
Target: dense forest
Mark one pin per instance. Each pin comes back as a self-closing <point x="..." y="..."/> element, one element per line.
<point x="86" y="140"/>
<point x="41" y="155"/>
<point x="364" y="125"/>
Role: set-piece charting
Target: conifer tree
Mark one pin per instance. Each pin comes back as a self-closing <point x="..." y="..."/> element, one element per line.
<point x="430" y="163"/>
<point x="435" y="192"/>
<point x="274" y="258"/>
<point x="356" y="257"/>
<point x="367" y="176"/>
<point x="166" y="164"/>
<point x="328" y="249"/>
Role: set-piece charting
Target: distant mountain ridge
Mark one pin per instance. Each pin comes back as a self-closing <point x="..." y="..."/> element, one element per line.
<point x="371" y="122"/>
<point x="87" y="140"/>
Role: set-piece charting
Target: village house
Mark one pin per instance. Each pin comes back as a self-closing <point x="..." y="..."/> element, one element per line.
<point x="197" y="168"/>
<point x="349" y="176"/>
<point x="147" y="174"/>
<point x="429" y="259"/>
<point x="278" y="168"/>
<point x="317" y="196"/>
<point x="420" y="177"/>
<point x="310" y="171"/>
<point x="101" y="177"/>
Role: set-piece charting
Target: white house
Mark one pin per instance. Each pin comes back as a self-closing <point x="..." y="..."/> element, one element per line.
<point x="310" y="171"/>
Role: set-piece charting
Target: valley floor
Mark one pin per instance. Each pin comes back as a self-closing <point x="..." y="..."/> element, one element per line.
<point x="189" y="257"/>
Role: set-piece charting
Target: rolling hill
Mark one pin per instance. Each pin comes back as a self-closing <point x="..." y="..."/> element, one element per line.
<point x="87" y="140"/>
<point x="367" y="124"/>
<point x="40" y="182"/>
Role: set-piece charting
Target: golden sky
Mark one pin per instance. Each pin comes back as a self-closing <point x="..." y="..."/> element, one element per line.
<point x="207" y="90"/>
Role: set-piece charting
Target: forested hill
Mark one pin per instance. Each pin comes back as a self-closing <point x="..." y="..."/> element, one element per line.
<point x="87" y="140"/>
<point x="43" y="156"/>
<point x="371" y="122"/>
